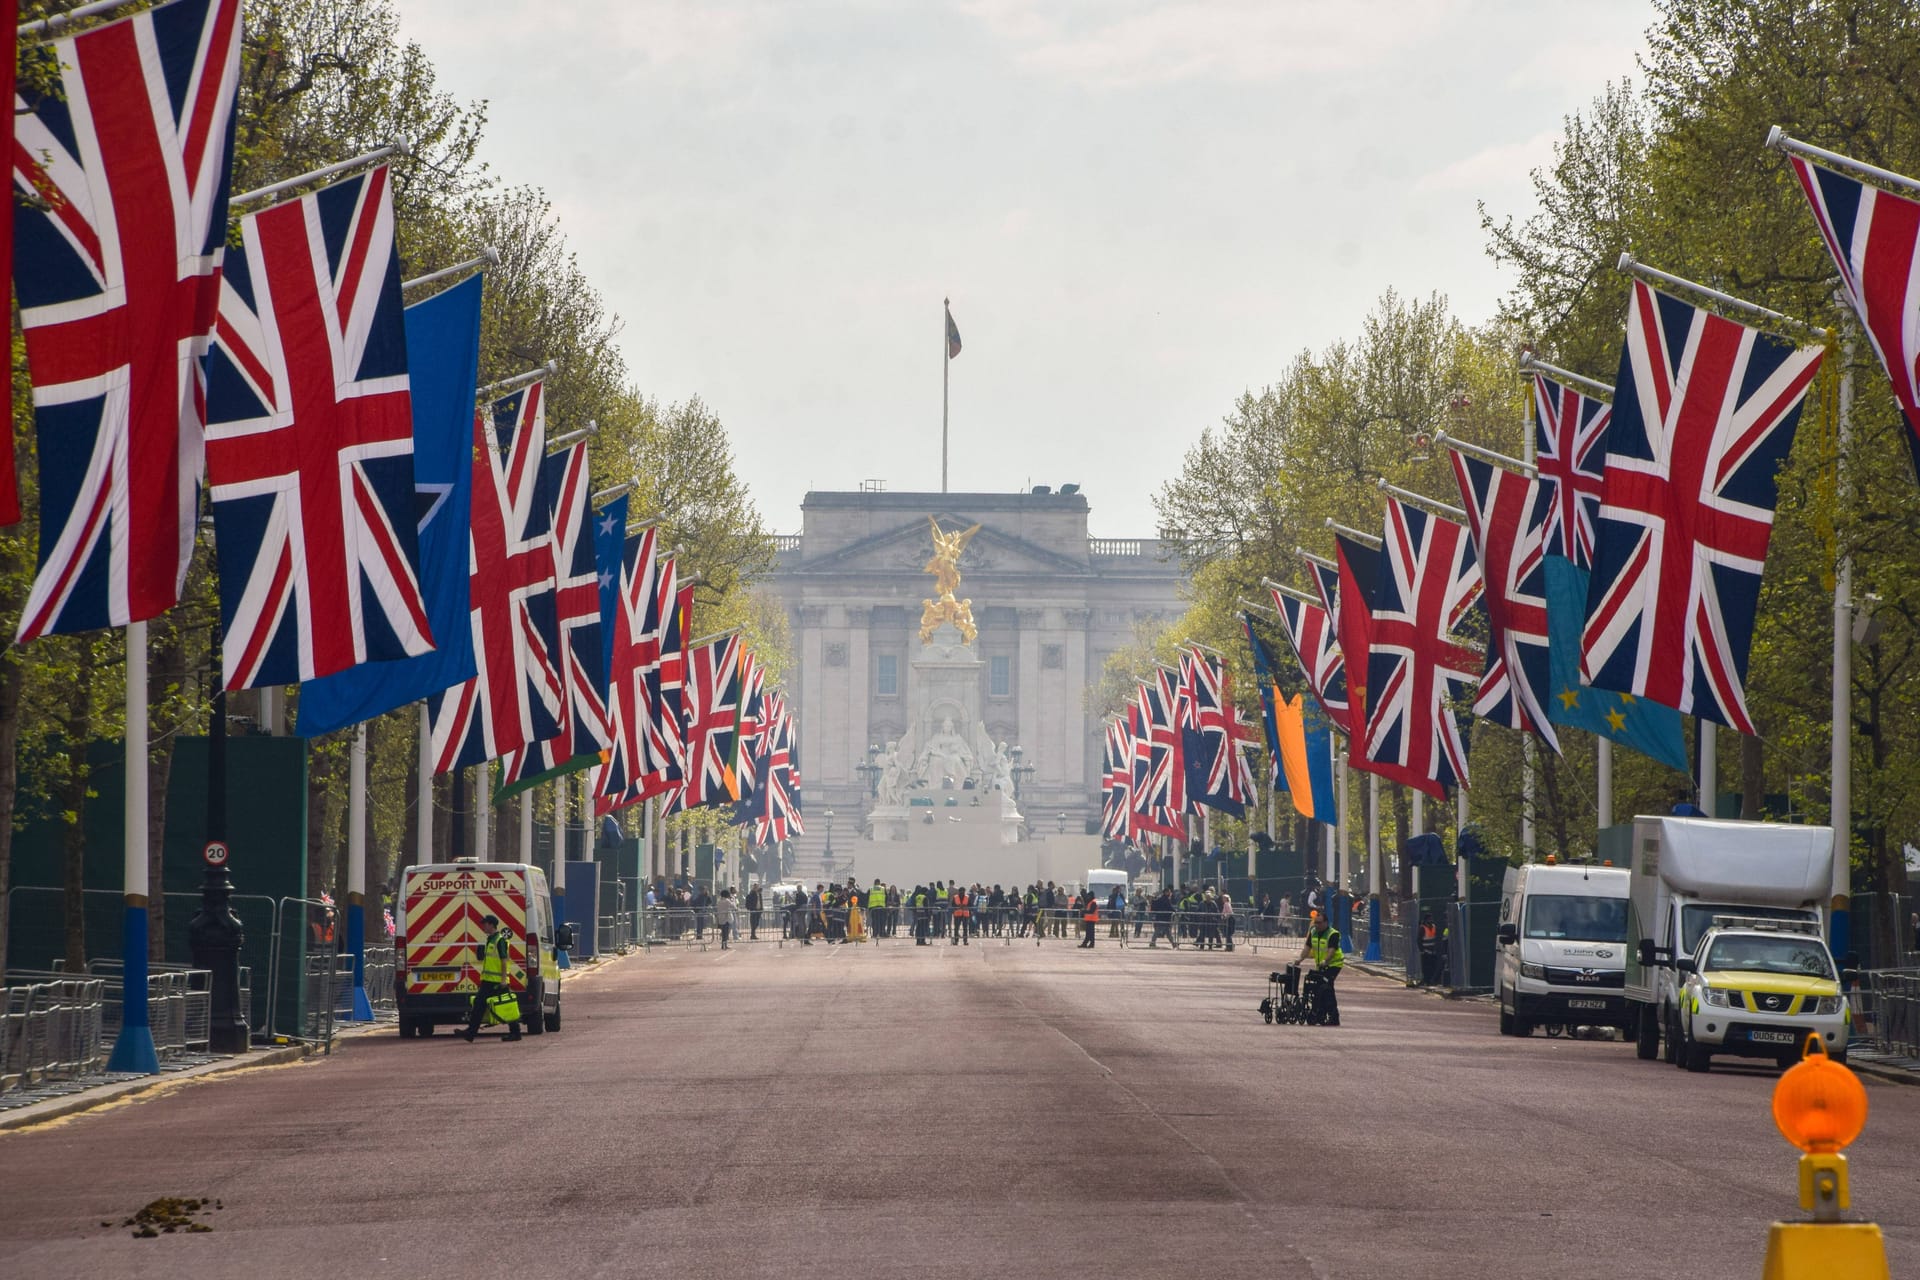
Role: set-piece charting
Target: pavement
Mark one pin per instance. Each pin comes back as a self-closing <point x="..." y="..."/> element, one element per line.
<point x="883" y="1111"/>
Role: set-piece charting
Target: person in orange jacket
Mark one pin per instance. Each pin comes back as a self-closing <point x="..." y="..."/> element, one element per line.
<point x="1089" y="916"/>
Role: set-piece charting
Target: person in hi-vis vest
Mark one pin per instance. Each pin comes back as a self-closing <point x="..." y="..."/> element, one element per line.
<point x="1323" y="946"/>
<point x="493" y="977"/>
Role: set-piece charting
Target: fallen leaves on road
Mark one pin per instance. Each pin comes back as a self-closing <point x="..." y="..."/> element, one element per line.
<point x="169" y="1214"/>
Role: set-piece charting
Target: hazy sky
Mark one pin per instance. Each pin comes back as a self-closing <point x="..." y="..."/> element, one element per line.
<point x="1140" y="208"/>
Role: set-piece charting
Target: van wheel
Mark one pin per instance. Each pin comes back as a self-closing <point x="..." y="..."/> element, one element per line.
<point x="552" y="1019"/>
<point x="1670" y="1051"/>
<point x="424" y="1026"/>
<point x="1695" y="1057"/>
<point x="1506" y="1023"/>
<point x="408" y="1029"/>
<point x="536" y="1022"/>
<point x="1646" y="1036"/>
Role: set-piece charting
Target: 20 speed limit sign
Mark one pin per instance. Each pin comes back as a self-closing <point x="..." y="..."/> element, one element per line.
<point x="216" y="853"/>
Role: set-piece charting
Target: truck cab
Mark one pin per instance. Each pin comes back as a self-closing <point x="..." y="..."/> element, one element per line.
<point x="1560" y="949"/>
<point x="1756" y="987"/>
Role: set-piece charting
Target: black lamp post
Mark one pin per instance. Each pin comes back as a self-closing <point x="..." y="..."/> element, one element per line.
<point x="871" y="771"/>
<point x="214" y="934"/>
<point x="1062" y="819"/>
<point x="826" y="854"/>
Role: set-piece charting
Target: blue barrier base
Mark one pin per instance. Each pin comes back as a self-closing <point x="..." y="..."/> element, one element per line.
<point x="133" y="1050"/>
<point x="357" y="948"/>
<point x="1373" y="931"/>
<point x="563" y="961"/>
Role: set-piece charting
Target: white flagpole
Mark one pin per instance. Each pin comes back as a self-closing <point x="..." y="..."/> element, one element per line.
<point x="1459" y="825"/>
<point x="1340" y="835"/>
<point x="1709" y="766"/>
<point x="1841" y="816"/>
<point x="483" y="811"/>
<point x="1603" y="776"/>
<point x="423" y="816"/>
<point x="946" y="370"/>
<point x="1529" y="834"/>
<point x="526" y="825"/>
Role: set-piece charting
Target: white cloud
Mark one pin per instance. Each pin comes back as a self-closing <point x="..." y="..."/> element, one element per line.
<point x="1164" y="41"/>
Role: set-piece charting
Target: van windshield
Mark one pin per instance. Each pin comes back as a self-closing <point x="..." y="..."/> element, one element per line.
<point x="1753" y="953"/>
<point x="1564" y="917"/>
<point x="1696" y="919"/>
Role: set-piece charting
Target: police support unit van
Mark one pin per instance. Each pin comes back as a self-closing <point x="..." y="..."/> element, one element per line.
<point x="1560" y="953"/>
<point x="441" y="907"/>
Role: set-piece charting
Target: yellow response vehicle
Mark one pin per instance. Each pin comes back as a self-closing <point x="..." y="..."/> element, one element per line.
<point x="441" y="906"/>
<point x="1755" y="988"/>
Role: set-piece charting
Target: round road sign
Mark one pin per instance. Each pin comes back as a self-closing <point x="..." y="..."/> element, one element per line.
<point x="216" y="853"/>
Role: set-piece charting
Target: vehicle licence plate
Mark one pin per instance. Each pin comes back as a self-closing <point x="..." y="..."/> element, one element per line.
<point x="1771" y="1037"/>
<point x="436" y="975"/>
<point x="1586" y="1004"/>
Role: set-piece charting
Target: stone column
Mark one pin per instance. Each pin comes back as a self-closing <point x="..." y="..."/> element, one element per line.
<point x="809" y="694"/>
<point x="859" y="690"/>
<point x="1083" y="761"/>
<point x="1026" y="687"/>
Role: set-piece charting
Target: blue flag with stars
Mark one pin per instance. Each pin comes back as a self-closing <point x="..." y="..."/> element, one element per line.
<point x="609" y="545"/>
<point x="443" y="357"/>
<point x="1647" y="727"/>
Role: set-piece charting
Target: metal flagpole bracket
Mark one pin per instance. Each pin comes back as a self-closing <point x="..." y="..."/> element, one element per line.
<point x="54" y="26"/>
<point x="1313" y="558"/>
<point x="1486" y="455"/>
<point x="1364" y="539"/>
<point x="716" y="636"/>
<point x="1205" y="648"/>
<point x="517" y="381"/>
<point x="260" y="197"/>
<point x="641" y="526"/>
<point x="1598" y="390"/>
<point x="605" y="496"/>
<point x="1886" y="179"/>
<point x="1759" y="316"/>
<point x="587" y="432"/>
<point x="1254" y="607"/>
<point x="1421" y="500"/>
<point x="489" y="257"/>
<point x="1305" y="597"/>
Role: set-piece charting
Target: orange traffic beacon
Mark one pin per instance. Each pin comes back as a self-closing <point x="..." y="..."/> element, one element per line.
<point x="1820" y="1107"/>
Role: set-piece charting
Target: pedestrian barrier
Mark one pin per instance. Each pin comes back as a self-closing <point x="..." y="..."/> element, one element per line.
<point x="1886" y="1011"/>
<point x="377" y="979"/>
<point x="51" y="1033"/>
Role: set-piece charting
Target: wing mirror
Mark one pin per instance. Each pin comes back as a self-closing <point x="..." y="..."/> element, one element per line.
<point x="1685" y="964"/>
<point x="1647" y="959"/>
<point x="1507" y="934"/>
<point x="563" y="938"/>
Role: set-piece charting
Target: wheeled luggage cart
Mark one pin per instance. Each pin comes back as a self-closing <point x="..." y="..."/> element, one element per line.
<point x="1284" y="1002"/>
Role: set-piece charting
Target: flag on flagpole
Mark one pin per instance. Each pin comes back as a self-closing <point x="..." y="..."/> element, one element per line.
<point x="953" y="336"/>
<point x="1874" y="237"/>
<point x="9" y="55"/>
<point x="1263" y="673"/>
<point x="1504" y="514"/>
<point x="310" y="442"/>
<point x="117" y="274"/>
<point x="1704" y="412"/>
<point x="1643" y="725"/>
<point x="443" y="354"/>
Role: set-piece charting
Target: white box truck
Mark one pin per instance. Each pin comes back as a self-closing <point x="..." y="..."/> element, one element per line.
<point x="1685" y="872"/>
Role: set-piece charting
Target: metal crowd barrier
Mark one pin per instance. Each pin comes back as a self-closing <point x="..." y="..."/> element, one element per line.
<point x="1886" y="1011"/>
<point x="377" y="976"/>
<point x="50" y="1032"/>
<point x="678" y="927"/>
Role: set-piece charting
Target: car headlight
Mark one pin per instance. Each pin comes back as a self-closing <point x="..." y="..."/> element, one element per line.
<point x="1715" y="997"/>
<point x="1533" y="971"/>
<point x="1827" y="1005"/>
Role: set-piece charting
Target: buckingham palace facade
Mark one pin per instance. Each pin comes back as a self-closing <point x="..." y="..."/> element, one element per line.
<point x="1050" y="600"/>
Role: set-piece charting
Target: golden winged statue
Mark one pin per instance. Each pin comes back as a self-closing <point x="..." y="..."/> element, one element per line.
<point x="945" y="568"/>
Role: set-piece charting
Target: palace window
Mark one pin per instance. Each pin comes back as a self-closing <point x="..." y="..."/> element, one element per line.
<point x="1000" y="676"/>
<point x="887" y="677"/>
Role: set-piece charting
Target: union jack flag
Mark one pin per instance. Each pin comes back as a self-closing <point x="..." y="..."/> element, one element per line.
<point x="117" y="270"/>
<point x="310" y="443"/>
<point x="1155" y="763"/>
<point x="713" y="709"/>
<point x="775" y="801"/>
<point x="1310" y="631"/>
<point x="635" y="656"/>
<point x="584" y="728"/>
<point x="1428" y="581"/>
<point x="1504" y="514"/>
<point x="749" y="724"/>
<point x="1218" y="774"/>
<point x="667" y="740"/>
<point x="1359" y="572"/>
<point x="1873" y="236"/>
<point x="516" y="698"/>
<point x="1117" y="784"/>
<point x="1703" y="415"/>
<point x="9" y="66"/>
<point x="1570" y="449"/>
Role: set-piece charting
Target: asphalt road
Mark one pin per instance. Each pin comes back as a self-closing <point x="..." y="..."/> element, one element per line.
<point x="992" y="1110"/>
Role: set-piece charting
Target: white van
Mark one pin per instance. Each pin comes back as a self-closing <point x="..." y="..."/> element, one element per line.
<point x="1560" y="953"/>
<point x="1102" y="881"/>
<point x="440" y="932"/>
